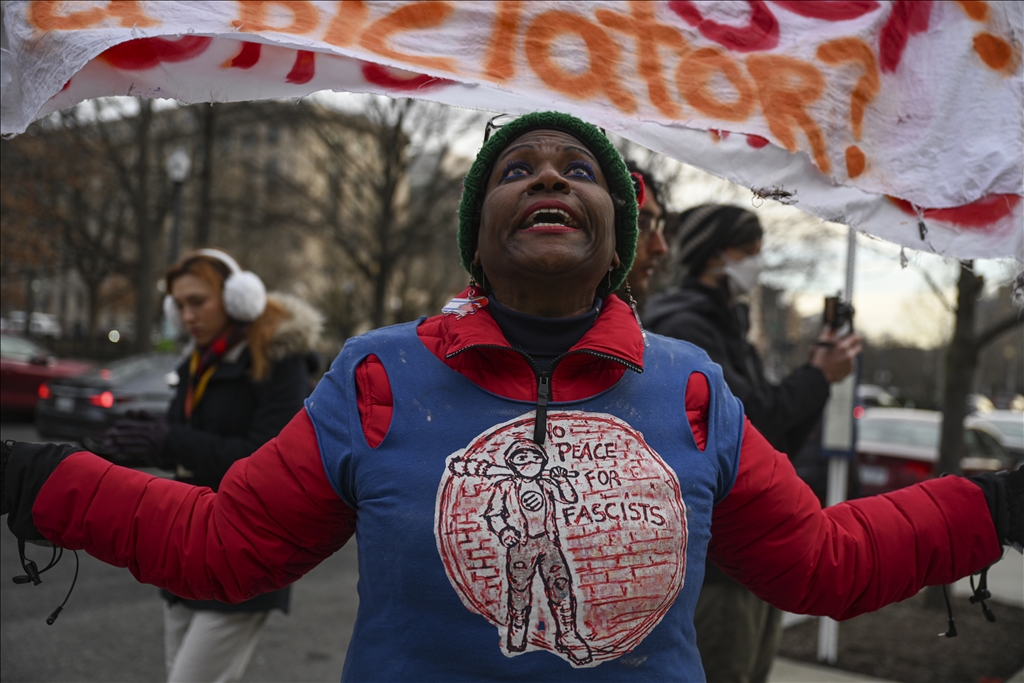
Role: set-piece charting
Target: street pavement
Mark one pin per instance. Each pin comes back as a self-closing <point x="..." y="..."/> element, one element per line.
<point x="112" y="626"/>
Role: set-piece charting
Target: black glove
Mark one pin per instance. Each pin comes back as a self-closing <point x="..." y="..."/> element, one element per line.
<point x="24" y="469"/>
<point x="5" y="455"/>
<point x="1015" y="502"/>
<point x="139" y="436"/>
<point x="1004" y="492"/>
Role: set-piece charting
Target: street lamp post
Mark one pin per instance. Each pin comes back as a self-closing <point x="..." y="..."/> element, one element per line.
<point x="178" y="165"/>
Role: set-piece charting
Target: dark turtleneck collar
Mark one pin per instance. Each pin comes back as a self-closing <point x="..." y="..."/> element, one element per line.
<point x="543" y="339"/>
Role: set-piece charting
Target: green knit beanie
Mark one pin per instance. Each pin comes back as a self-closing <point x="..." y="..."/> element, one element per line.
<point x="620" y="186"/>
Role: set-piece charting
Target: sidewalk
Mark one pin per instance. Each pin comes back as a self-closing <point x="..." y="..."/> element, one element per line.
<point x="791" y="671"/>
<point x="1004" y="582"/>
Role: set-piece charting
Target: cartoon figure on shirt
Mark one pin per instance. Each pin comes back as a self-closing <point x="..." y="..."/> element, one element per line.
<point x="521" y="513"/>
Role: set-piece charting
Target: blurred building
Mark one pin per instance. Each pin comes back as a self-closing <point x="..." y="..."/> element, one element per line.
<point x="319" y="202"/>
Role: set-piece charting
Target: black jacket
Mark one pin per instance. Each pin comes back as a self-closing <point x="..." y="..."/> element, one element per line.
<point x="785" y="413"/>
<point x="237" y="415"/>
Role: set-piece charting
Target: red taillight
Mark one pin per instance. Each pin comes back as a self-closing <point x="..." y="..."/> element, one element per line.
<point x="44" y="391"/>
<point x="920" y="470"/>
<point x="104" y="400"/>
<point x="858" y="412"/>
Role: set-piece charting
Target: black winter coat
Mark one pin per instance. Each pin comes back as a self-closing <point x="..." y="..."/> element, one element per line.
<point x="234" y="418"/>
<point x="785" y="413"/>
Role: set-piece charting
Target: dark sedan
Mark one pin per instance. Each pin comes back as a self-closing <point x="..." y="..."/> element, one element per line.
<point x="24" y="367"/>
<point x="81" y="408"/>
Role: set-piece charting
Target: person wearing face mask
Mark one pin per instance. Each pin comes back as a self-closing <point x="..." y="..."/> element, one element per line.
<point x="716" y="260"/>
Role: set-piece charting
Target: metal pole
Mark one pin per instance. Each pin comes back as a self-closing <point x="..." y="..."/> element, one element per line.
<point x="176" y="224"/>
<point x="839" y="466"/>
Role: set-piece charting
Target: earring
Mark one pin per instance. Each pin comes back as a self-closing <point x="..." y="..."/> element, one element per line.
<point x="636" y="314"/>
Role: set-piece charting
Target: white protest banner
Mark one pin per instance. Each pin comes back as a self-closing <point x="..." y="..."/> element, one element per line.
<point x="904" y="119"/>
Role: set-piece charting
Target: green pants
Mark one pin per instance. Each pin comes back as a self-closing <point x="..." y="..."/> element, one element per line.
<point x="737" y="634"/>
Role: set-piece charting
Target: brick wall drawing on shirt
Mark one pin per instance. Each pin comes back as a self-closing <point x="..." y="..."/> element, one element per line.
<point x="624" y="539"/>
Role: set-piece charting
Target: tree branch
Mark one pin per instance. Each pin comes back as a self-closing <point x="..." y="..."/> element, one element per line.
<point x="987" y="336"/>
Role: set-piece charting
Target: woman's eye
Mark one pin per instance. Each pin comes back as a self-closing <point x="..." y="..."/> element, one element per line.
<point x="581" y="169"/>
<point x="515" y="169"/>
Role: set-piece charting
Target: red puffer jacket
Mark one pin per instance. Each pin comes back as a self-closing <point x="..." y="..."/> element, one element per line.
<point x="276" y="515"/>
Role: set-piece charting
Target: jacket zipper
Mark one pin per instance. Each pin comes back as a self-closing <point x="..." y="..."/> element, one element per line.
<point x="540" y="424"/>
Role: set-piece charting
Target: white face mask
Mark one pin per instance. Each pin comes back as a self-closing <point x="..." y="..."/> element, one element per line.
<point x="743" y="273"/>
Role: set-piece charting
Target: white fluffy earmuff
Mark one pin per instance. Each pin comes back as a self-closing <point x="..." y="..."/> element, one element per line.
<point x="245" y="296"/>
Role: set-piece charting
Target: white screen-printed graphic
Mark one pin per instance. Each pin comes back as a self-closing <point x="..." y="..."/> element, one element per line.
<point x="577" y="547"/>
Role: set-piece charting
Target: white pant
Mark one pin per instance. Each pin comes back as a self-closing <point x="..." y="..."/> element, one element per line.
<point x="201" y="646"/>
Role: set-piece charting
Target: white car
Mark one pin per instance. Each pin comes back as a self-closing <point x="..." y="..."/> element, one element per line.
<point x="897" y="447"/>
<point x="1006" y="425"/>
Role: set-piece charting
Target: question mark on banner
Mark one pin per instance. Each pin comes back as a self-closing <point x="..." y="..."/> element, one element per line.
<point x="855" y="50"/>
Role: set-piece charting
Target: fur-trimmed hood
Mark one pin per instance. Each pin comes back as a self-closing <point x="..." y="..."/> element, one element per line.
<point x="297" y="334"/>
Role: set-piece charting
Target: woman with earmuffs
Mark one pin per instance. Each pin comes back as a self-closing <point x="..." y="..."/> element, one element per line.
<point x="244" y="377"/>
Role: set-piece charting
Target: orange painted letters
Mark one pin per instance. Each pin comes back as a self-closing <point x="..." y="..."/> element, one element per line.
<point x="419" y="15"/>
<point x="254" y="16"/>
<point x="786" y="87"/>
<point x="650" y="36"/>
<point x="694" y="76"/>
<point x="975" y="9"/>
<point x="499" y="65"/>
<point x="856" y="162"/>
<point x="602" y="51"/>
<point x="347" y="23"/>
<point x="993" y="50"/>
<point x="44" y="15"/>
<point x="856" y="51"/>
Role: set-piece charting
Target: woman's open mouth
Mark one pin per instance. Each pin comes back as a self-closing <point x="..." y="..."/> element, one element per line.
<point x="549" y="217"/>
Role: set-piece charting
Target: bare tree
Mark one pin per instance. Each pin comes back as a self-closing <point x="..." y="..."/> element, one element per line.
<point x="385" y="194"/>
<point x="961" y="363"/>
<point x="28" y="244"/>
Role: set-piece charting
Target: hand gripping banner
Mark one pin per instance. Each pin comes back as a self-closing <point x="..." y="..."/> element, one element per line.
<point x="904" y="119"/>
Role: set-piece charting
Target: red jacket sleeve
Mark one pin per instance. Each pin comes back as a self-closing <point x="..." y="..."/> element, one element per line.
<point x="771" y="535"/>
<point x="274" y="518"/>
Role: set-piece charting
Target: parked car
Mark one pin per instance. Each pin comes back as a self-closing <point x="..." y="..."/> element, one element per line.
<point x="897" y="447"/>
<point x="24" y="367"/>
<point x="1007" y="426"/>
<point x="42" y="325"/>
<point x="82" y="408"/>
<point x="872" y="395"/>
